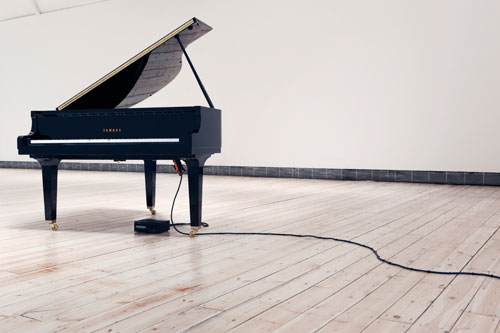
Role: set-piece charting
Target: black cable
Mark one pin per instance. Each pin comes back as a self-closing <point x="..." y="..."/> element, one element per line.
<point x="203" y="224"/>
<point x="385" y="261"/>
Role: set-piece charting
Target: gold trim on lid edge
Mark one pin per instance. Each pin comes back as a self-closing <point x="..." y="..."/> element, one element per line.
<point x="126" y="64"/>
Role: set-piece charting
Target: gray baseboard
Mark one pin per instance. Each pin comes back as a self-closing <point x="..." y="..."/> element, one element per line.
<point x="406" y="176"/>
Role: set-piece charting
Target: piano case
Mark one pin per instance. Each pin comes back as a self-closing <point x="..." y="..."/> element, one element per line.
<point x="98" y="123"/>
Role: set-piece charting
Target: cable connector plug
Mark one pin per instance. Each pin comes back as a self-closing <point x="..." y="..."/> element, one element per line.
<point x="178" y="167"/>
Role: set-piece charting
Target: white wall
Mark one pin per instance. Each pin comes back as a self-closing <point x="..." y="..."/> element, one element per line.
<point x="386" y="84"/>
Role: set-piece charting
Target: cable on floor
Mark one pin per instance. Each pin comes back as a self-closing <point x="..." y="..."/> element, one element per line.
<point x="385" y="261"/>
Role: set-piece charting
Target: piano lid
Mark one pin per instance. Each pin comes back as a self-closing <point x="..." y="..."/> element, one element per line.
<point x="141" y="76"/>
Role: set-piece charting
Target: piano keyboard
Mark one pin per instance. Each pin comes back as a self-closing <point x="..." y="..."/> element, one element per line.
<point x="87" y="141"/>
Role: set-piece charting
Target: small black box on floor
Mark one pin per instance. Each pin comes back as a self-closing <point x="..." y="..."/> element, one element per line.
<point x="151" y="226"/>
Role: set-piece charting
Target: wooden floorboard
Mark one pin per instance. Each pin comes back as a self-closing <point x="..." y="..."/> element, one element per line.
<point x="96" y="275"/>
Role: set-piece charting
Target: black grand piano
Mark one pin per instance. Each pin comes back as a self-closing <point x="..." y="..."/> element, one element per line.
<point x="98" y="124"/>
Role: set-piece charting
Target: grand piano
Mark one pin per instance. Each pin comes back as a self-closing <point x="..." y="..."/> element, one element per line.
<point x="98" y="123"/>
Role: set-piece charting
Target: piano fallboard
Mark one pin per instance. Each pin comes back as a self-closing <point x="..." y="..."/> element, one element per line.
<point x="159" y="133"/>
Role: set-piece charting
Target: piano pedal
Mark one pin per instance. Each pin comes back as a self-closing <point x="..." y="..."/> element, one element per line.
<point x="193" y="231"/>
<point x="52" y="223"/>
<point x="152" y="210"/>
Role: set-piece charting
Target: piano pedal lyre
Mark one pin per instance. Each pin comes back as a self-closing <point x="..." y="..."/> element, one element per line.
<point x="193" y="231"/>
<point x="152" y="210"/>
<point x="52" y="223"/>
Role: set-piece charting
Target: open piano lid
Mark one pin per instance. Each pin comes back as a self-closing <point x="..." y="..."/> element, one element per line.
<point x="141" y="76"/>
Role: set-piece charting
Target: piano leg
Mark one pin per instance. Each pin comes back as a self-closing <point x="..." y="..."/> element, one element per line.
<point x="49" y="177"/>
<point x="195" y="179"/>
<point x="150" y="174"/>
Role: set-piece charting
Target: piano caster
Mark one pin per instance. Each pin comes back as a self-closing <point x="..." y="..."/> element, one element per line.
<point x="53" y="225"/>
<point x="152" y="210"/>
<point x="193" y="231"/>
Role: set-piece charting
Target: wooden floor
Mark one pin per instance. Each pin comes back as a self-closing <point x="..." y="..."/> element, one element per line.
<point x="95" y="274"/>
